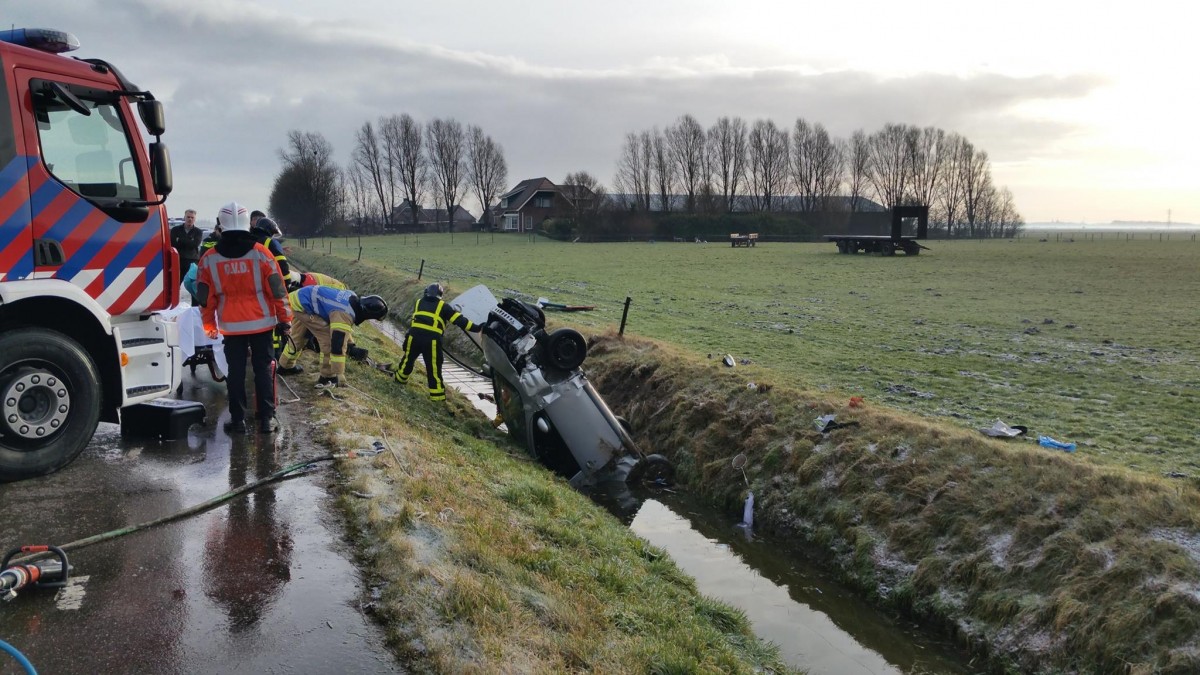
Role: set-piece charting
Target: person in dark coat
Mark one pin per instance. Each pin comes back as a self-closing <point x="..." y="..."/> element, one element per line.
<point x="186" y="239"/>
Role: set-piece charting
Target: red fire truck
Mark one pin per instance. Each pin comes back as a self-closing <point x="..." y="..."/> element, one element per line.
<point x="85" y="253"/>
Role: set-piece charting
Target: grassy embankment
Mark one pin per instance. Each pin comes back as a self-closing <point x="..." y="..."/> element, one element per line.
<point x="1046" y="560"/>
<point x="488" y="564"/>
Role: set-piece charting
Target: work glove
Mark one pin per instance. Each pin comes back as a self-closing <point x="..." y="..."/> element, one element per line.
<point x="283" y="328"/>
<point x="211" y="333"/>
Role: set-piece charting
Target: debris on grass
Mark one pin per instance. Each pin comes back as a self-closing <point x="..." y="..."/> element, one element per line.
<point x="1000" y="429"/>
<point x="1048" y="442"/>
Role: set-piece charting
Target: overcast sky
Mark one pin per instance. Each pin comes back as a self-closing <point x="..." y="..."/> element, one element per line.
<point x="1088" y="113"/>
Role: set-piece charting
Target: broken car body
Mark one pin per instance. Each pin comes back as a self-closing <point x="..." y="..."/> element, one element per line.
<point x="545" y="399"/>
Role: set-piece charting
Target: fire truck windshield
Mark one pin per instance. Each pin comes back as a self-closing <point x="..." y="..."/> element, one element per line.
<point x="90" y="154"/>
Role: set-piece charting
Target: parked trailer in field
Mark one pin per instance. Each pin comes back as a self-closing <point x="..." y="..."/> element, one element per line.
<point x="884" y="244"/>
<point x="880" y="243"/>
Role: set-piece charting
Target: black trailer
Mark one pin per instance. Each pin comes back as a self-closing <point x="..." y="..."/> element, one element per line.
<point x="884" y="244"/>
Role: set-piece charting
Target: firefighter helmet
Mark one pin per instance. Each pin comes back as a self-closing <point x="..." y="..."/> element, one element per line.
<point x="295" y="281"/>
<point x="373" y="307"/>
<point x="234" y="217"/>
<point x="434" y="290"/>
<point x="269" y="226"/>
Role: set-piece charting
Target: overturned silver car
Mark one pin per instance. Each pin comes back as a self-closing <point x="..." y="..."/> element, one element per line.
<point x="547" y="402"/>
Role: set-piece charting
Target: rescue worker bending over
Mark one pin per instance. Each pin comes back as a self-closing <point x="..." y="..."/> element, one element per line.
<point x="424" y="339"/>
<point x="241" y="290"/>
<point x="299" y="280"/>
<point x="329" y="314"/>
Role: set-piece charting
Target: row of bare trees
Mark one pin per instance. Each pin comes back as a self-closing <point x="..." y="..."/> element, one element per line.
<point x="731" y="166"/>
<point x="735" y="166"/>
<point x="398" y="158"/>
<point x="394" y="159"/>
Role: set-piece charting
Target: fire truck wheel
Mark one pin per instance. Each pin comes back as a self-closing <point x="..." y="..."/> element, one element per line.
<point x="49" y="401"/>
<point x="653" y="470"/>
<point x="566" y="349"/>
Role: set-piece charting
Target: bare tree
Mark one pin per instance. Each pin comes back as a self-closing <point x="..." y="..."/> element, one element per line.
<point x="1009" y="221"/>
<point x="487" y="172"/>
<point x="635" y="169"/>
<point x="664" y="169"/>
<point x="829" y="170"/>
<point x="768" y="159"/>
<point x="801" y="163"/>
<point x="405" y="142"/>
<point x="307" y="190"/>
<point x="372" y="157"/>
<point x="890" y="164"/>
<point x="816" y="164"/>
<point x="446" y="144"/>
<point x="976" y="182"/>
<point x="928" y="156"/>
<point x="988" y="212"/>
<point x="727" y="154"/>
<point x="858" y="166"/>
<point x="586" y="196"/>
<point x="950" y="189"/>
<point x="360" y="201"/>
<point x="686" y="142"/>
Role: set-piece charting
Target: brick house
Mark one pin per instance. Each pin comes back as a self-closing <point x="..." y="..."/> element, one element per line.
<point x="532" y="201"/>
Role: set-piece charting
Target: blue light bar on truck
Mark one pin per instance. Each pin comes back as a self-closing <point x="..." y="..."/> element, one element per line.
<point x="42" y="39"/>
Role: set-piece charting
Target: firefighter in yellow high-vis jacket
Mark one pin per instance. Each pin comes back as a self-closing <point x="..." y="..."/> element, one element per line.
<point x="430" y="317"/>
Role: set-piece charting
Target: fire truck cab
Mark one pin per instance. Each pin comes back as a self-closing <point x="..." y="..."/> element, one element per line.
<point x="85" y="252"/>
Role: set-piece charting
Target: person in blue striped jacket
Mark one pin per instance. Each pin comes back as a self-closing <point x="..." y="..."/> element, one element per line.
<point x="329" y="314"/>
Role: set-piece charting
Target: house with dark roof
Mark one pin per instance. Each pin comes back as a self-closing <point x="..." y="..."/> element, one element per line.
<point x="536" y="200"/>
<point x="431" y="220"/>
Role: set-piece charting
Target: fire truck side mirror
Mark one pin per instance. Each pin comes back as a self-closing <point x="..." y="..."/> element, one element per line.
<point x="151" y="113"/>
<point x="160" y="169"/>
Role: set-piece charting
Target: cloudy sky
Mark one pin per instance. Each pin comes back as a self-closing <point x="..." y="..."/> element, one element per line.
<point x="1087" y="109"/>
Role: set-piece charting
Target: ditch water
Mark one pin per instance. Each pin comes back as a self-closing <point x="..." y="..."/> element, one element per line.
<point x="819" y="625"/>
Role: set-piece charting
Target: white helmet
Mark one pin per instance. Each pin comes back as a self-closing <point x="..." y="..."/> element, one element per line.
<point x="234" y="217"/>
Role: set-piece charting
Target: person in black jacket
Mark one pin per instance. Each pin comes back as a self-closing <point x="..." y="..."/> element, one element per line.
<point x="430" y="317"/>
<point x="186" y="239"/>
<point x="267" y="232"/>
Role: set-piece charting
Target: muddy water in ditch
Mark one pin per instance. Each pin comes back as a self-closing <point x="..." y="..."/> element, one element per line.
<point x="818" y="625"/>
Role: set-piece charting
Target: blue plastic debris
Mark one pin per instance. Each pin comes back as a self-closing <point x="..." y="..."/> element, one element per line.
<point x="1047" y="442"/>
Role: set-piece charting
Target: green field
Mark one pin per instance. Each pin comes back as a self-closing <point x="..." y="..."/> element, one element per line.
<point x="1087" y="341"/>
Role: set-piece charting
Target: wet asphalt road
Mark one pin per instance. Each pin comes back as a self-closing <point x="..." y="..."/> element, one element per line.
<point x="262" y="584"/>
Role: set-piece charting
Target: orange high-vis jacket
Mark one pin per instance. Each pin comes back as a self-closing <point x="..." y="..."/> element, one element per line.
<point x="246" y="294"/>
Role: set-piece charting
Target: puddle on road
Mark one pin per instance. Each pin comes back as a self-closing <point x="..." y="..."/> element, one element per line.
<point x="263" y="583"/>
<point x="819" y="626"/>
